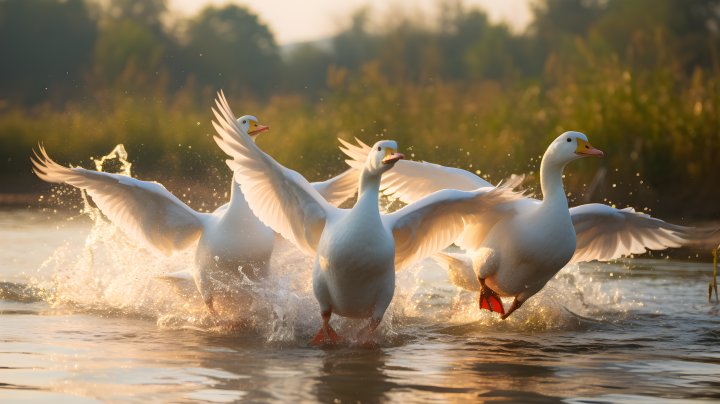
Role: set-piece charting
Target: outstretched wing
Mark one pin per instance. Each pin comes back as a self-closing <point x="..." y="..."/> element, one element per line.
<point x="425" y="227"/>
<point x="337" y="189"/>
<point x="411" y="180"/>
<point x="474" y="234"/>
<point x="281" y="198"/>
<point x="145" y="210"/>
<point x="605" y="233"/>
<point x="358" y="154"/>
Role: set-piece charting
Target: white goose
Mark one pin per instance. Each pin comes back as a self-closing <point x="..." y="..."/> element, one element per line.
<point x="518" y="247"/>
<point x="356" y="250"/>
<point x="230" y="238"/>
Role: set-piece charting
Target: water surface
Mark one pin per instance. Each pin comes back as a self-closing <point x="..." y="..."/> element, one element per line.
<point x="95" y="327"/>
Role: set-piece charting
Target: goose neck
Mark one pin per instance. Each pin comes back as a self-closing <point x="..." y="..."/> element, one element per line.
<point x="369" y="191"/>
<point x="551" y="183"/>
<point x="238" y="205"/>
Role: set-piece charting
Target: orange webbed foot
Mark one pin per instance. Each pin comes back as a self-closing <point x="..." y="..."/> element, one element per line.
<point x="489" y="299"/>
<point x="326" y="336"/>
<point x="515" y="305"/>
<point x="366" y="336"/>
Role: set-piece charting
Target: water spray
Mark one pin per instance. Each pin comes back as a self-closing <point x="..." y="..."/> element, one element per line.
<point x="121" y="155"/>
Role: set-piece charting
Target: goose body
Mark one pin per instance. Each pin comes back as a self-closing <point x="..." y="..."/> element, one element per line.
<point x="516" y="248"/>
<point x="354" y="272"/>
<point x="358" y="250"/>
<point x="518" y="256"/>
<point x="232" y="243"/>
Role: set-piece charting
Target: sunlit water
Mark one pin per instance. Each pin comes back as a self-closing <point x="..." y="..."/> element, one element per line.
<point x="95" y="326"/>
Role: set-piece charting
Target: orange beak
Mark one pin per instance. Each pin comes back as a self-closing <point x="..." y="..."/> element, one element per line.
<point x="393" y="158"/>
<point x="258" y="129"/>
<point x="585" y="149"/>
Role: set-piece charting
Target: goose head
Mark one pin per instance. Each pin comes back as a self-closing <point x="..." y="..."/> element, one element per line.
<point x="382" y="157"/>
<point x="250" y="125"/>
<point x="568" y="147"/>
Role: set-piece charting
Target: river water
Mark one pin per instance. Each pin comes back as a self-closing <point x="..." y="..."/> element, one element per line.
<point x="82" y="320"/>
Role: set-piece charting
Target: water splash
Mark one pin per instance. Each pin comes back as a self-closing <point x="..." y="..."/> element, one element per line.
<point x="121" y="157"/>
<point x="113" y="275"/>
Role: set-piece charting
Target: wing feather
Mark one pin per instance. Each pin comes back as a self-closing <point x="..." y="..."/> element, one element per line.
<point x="605" y="233"/>
<point x="425" y="227"/>
<point x="281" y="198"/>
<point x="337" y="189"/>
<point x="410" y="181"/>
<point x="142" y="209"/>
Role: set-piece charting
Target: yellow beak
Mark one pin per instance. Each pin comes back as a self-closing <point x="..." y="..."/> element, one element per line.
<point x="256" y="128"/>
<point x="585" y="149"/>
<point x="392" y="156"/>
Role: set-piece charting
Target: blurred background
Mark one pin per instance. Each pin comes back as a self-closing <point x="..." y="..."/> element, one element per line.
<point x="483" y="86"/>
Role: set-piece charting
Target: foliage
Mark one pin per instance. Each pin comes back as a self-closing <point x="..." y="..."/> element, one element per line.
<point x="233" y="48"/>
<point x="124" y="43"/>
<point x="641" y="79"/>
<point x="43" y="44"/>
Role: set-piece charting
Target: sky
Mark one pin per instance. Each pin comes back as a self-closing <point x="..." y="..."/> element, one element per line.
<point x="295" y="21"/>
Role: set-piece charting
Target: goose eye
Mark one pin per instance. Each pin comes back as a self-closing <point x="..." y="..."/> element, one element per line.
<point x="569" y="140"/>
<point x="378" y="148"/>
<point x="246" y="121"/>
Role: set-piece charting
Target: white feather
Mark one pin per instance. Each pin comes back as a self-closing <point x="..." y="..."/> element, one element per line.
<point x="432" y="223"/>
<point x="356" y="250"/>
<point x="144" y="210"/>
<point x="605" y="233"/>
<point x="411" y="180"/>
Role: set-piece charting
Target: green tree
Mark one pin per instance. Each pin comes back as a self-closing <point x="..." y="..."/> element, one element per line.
<point x="555" y="19"/>
<point x="230" y="48"/>
<point x="491" y="55"/>
<point x="306" y="67"/>
<point x="460" y="30"/>
<point x="147" y="13"/>
<point x="631" y="29"/>
<point x="44" y="45"/>
<point x="127" y="44"/>
<point x="355" y="46"/>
